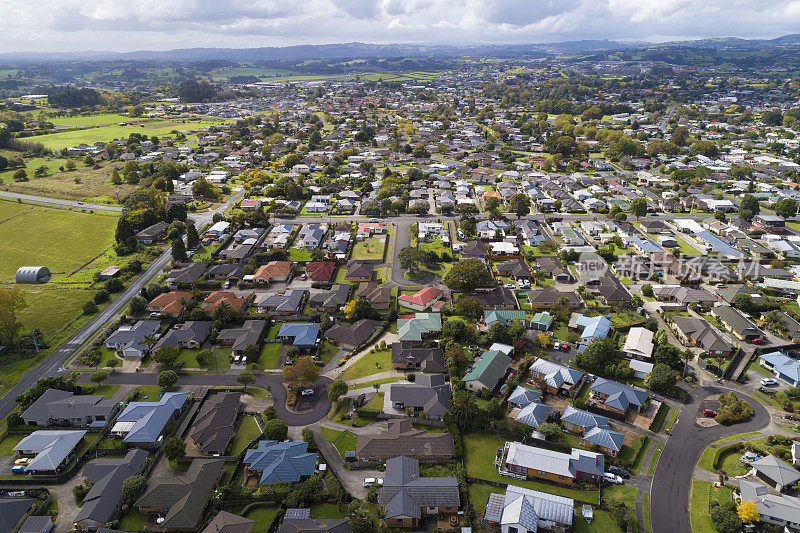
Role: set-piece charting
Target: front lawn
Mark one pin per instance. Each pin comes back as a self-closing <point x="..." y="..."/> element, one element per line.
<point x="8" y="443"/>
<point x="370" y="249"/>
<point x="344" y="441"/>
<point x="372" y="362"/>
<point x="133" y="521"/>
<point x="327" y="351"/>
<point x="480" y="450"/>
<point x="105" y="390"/>
<point x="248" y="431"/>
<point x="149" y="393"/>
<point x="270" y="355"/>
<point x="703" y="492"/>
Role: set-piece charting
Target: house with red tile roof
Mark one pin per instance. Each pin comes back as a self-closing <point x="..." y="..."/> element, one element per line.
<point x="169" y="303"/>
<point x="273" y="271"/>
<point x="216" y="298"/>
<point x="422" y="299"/>
<point x="321" y="270"/>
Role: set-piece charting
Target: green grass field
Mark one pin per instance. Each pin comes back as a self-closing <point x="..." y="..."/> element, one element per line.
<point x="247" y="432"/>
<point x="370" y="249"/>
<point x="370" y="363"/>
<point x="270" y="355"/>
<point x="344" y="441"/>
<point x="702" y="494"/>
<point x="91" y="120"/>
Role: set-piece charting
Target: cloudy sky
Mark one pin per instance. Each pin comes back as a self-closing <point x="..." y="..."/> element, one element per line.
<point x="125" y="25"/>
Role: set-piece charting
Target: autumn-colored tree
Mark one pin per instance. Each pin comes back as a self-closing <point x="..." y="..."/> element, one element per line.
<point x="302" y="372"/>
<point x="747" y="512"/>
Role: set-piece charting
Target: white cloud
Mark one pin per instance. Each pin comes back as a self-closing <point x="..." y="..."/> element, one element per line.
<point x="58" y="25"/>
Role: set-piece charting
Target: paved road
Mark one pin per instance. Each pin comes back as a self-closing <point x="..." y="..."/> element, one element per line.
<point x="54" y="364"/>
<point x="57" y="201"/>
<point x="672" y="479"/>
<point x="313" y="409"/>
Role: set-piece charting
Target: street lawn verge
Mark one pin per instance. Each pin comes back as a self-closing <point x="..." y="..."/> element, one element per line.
<point x="673" y="416"/>
<point x="654" y="460"/>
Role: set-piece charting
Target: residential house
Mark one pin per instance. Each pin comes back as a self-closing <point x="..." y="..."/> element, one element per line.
<point x="105" y="476"/>
<point x="143" y="424"/>
<point x="617" y="397"/>
<point x="49" y="450"/>
<point x="170" y="303"/>
<point x="62" y="408"/>
<point x="273" y="462"/>
<point x="153" y="233"/>
<point x="428" y="393"/>
<point x="332" y="300"/>
<point x="422" y="300"/>
<point x="132" y="340"/>
<point x="225" y="522"/>
<point x="785" y="368"/>
<point x="405" y="496"/>
<point x="515" y="268"/>
<point x="407" y="356"/>
<point x="181" y="498"/>
<point x="185" y="274"/>
<point x="638" y="344"/>
<point x="321" y="270"/>
<point x="220" y="298"/>
<point x="736" y="323"/>
<point x="523" y="510"/>
<point x="351" y="337"/>
<point x="777" y="509"/>
<point x="213" y="426"/>
<point x="306" y="524"/>
<point x="557" y="378"/>
<point x="775" y="472"/>
<point x="538" y="463"/>
<point x="542" y="321"/>
<point x="302" y="335"/>
<point x="697" y="332"/>
<point x="547" y="297"/>
<point x="593" y="429"/>
<point x="238" y="339"/>
<point x="289" y="303"/>
<point x="379" y="295"/>
<point x="594" y="328"/>
<point x="359" y="271"/>
<point x="416" y="327"/>
<point x="273" y="271"/>
<point x="487" y="371"/>
<point x="503" y="316"/>
<point x="191" y="335"/>
<point x="497" y="298"/>
<point x="402" y="439"/>
<point x="554" y="268"/>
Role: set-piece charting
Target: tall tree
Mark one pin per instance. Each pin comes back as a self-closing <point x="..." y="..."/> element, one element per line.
<point x="12" y="301"/>
<point x="463" y="407"/>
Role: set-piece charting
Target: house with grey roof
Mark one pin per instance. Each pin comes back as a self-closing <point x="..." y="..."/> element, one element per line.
<point x="698" y="332"/>
<point x="332" y="300"/>
<point x="286" y="303"/>
<point x="213" y="426"/>
<point x="518" y="459"/>
<point x="131" y="340"/>
<point x="406" y="497"/>
<point x="180" y="499"/>
<point x="593" y="429"/>
<point x="249" y="334"/>
<point x="191" y="334"/>
<point x="617" y="397"/>
<point x="272" y="462"/>
<point x="522" y="396"/>
<point x="49" y="450"/>
<point x="307" y="524"/>
<point x="226" y="522"/>
<point x="408" y="356"/>
<point x="556" y="377"/>
<point x="353" y="336"/>
<point x="62" y="408"/>
<point x="402" y="439"/>
<point x="13" y="511"/>
<point x="736" y="323"/>
<point x="142" y="424"/>
<point x="521" y="509"/>
<point x="532" y="414"/>
<point x="429" y="393"/>
<point x="775" y="472"/>
<point x="36" y="524"/>
<point x="105" y="476"/>
<point x="778" y="509"/>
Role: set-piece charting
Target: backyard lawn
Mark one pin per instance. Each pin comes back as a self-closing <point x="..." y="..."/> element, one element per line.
<point x="133" y="521"/>
<point x="247" y="432"/>
<point x="373" y="362"/>
<point x="370" y="249"/>
<point x="479" y="452"/>
<point x="263" y="517"/>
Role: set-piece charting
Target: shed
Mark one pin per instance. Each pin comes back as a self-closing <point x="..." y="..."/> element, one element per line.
<point x="33" y="274"/>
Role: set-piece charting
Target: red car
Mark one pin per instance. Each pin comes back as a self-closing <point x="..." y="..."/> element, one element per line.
<point x="709" y="412"/>
<point x="758" y="340"/>
<point x="565" y="347"/>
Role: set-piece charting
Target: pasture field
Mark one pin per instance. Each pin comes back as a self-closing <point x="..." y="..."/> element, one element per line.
<point x="90" y="120"/>
<point x="70" y="138"/>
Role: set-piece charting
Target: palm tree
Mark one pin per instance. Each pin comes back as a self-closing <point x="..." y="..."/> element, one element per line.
<point x="463" y="407"/>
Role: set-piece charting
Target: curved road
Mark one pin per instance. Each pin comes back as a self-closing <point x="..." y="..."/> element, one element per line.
<point x="672" y="479"/>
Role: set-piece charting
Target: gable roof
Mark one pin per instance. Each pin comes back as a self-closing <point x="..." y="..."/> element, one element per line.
<point x="320" y="270"/>
<point x="302" y="333"/>
<point x="12" y="511"/>
<point x="412" y="329"/>
<point x="106" y="476"/>
<point x="280" y="461"/>
<point x="193" y="330"/>
<point x="503" y="315"/>
<point x="402" y="439"/>
<point x="527" y="506"/>
<point x="405" y="493"/>
<point x="558" y="463"/>
<point x="488" y="369"/>
<point x="429" y="359"/>
<point x="374" y="293"/>
<point x="594" y="327"/>
<point x="50" y="446"/>
<point x="353" y="335"/>
<point x="639" y="342"/>
<point x="522" y="396"/>
<point x="703" y="332"/>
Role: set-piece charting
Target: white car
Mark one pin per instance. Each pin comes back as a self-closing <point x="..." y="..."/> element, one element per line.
<point x="368" y="482"/>
<point x="769" y="382"/>
<point x="556" y="345"/>
<point x="237" y="358"/>
<point x="307" y="392"/>
<point x="612" y="478"/>
<point x="509" y="285"/>
<point x="155" y="314"/>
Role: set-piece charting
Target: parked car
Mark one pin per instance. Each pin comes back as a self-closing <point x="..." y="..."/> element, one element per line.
<point x="709" y="412"/>
<point x="556" y="345"/>
<point x="612" y="478"/>
<point x="720" y="285"/>
<point x="307" y="392"/>
<point x="749" y="457"/>
<point x="621" y="472"/>
<point x="565" y="347"/>
<point x="769" y="382"/>
<point x="244" y="360"/>
<point x="237" y="359"/>
<point x="509" y="285"/>
<point x="368" y="482"/>
<point x="303" y="277"/>
<point x="23" y="461"/>
<point x="155" y="314"/>
<point x="19" y="469"/>
<point x="758" y="340"/>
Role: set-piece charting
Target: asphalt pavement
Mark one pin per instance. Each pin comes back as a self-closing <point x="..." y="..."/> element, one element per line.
<point x="58" y="201"/>
<point x="672" y="479"/>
